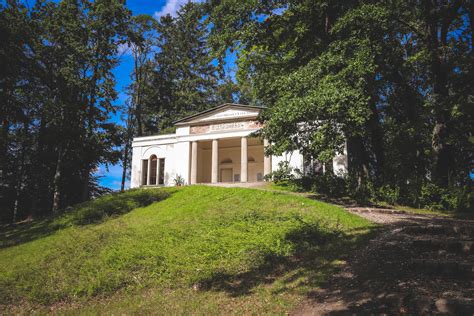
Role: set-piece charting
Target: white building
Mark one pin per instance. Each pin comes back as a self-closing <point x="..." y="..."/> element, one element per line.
<point x="210" y="147"/>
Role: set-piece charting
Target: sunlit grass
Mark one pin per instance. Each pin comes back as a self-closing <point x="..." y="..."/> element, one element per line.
<point x="201" y="249"/>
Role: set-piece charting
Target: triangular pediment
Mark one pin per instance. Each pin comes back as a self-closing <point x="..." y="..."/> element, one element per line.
<point x="225" y="112"/>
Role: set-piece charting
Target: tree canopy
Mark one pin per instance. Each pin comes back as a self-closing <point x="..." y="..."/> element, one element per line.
<point x="391" y="80"/>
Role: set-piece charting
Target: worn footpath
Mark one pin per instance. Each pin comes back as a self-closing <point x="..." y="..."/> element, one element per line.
<point x="416" y="265"/>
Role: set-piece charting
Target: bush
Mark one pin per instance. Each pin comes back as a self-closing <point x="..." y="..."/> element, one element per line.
<point x="115" y="204"/>
<point x="284" y="173"/>
<point x="330" y="184"/>
<point x="452" y="199"/>
<point x="389" y="194"/>
<point x="179" y="181"/>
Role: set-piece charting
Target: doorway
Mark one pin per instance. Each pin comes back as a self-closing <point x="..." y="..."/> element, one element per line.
<point x="226" y="175"/>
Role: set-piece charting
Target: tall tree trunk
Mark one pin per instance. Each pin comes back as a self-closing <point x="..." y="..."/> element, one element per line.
<point x="125" y="165"/>
<point x="18" y="186"/>
<point x="439" y="132"/>
<point x="441" y="16"/>
<point x="34" y="201"/>
<point x="90" y="132"/>
<point x="57" y="182"/>
<point x="4" y="148"/>
<point x="16" y="204"/>
<point x="38" y="161"/>
<point x="377" y="142"/>
<point x="21" y="170"/>
<point x="358" y="161"/>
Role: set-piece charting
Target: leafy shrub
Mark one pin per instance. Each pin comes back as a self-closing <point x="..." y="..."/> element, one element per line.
<point x="389" y="194"/>
<point x="330" y="184"/>
<point x="305" y="183"/>
<point x="453" y="199"/>
<point x="115" y="204"/>
<point x="465" y="199"/>
<point x="178" y="181"/>
<point x="284" y="173"/>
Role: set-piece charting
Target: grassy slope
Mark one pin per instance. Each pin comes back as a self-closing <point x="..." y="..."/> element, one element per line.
<point x="205" y="249"/>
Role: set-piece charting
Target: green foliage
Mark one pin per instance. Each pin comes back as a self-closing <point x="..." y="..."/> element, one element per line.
<point x="179" y="181"/>
<point x="330" y="184"/>
<point x="285" y="173"/>
<point x="389" y="194"/>
<point x="438" y="198"/>
<point x="58" y="92"/>
<point x="182" y="74"/>
<point x="226" y="242"/>
<point x="430" y="196"/>
<point x="392" y="81"/>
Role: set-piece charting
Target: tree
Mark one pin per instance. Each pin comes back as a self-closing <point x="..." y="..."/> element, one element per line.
<point x="184" y="76"/>
<point x="58" y="94"/>
<point x="393" y="79"/>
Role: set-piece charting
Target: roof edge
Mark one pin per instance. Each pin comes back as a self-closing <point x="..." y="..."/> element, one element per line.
<point x="216" y="108"/>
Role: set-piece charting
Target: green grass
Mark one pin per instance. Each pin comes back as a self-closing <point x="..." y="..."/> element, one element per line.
<point x="198" y="249"/>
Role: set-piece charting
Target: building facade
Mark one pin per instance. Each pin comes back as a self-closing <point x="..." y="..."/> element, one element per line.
<point x="210" y="147"/>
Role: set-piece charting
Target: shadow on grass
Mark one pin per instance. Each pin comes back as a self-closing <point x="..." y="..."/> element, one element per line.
<point x="18" y="233"/>
<point x="400" y="273"/>
<point x="90" y="212"/>
<point x="316" y="255"/>
<point x="346" y="201"/>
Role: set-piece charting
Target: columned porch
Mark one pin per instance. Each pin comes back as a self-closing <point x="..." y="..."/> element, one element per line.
<point x="228" y="160"/>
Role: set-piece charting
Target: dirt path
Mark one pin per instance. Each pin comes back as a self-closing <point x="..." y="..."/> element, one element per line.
<point x="418" y="264"/>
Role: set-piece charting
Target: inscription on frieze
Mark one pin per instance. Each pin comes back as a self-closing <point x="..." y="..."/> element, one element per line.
<point x="228" y="126"/>
<point x="203" y="129"/>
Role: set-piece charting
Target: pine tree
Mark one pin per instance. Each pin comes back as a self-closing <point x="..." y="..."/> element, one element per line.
<point x="184" y="77"/>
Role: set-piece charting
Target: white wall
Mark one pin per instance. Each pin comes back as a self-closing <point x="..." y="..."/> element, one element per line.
<point x="181" y="160"/>
<point x="295" y="159"/>
<point x="136" y="167"/>
<point x="340" y="164"/>
<point x="176" y="157"/>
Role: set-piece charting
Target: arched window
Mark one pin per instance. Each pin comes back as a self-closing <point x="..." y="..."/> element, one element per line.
<point x="161" y="177"/>
<point x="153" y="169"/>
<point x="144" y="171"/>
<point x="251" y="159"/>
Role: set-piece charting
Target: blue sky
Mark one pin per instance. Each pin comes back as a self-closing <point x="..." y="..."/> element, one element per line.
<point x="111" y="176"/>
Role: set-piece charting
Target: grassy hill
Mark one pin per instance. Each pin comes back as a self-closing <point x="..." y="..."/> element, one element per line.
<point x="197" y="248"/>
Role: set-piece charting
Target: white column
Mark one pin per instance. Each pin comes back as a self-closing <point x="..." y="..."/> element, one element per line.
<point x="215" y="161"/>
<point x="148" y="171"/>
<point x="194" y="151"/>
<point x="157" y="170"/>
<point x="267" y="160"/>
<point x="243" y="160"/>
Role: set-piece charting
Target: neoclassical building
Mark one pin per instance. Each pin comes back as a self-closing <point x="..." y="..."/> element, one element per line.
<point x="210" y="147"/>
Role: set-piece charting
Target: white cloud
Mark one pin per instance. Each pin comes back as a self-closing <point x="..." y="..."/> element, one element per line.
<point x="124" y="49"/>
<point x="171" y="7"/>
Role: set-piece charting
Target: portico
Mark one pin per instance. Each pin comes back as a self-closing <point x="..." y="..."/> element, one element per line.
<point x="232" y="159"/>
